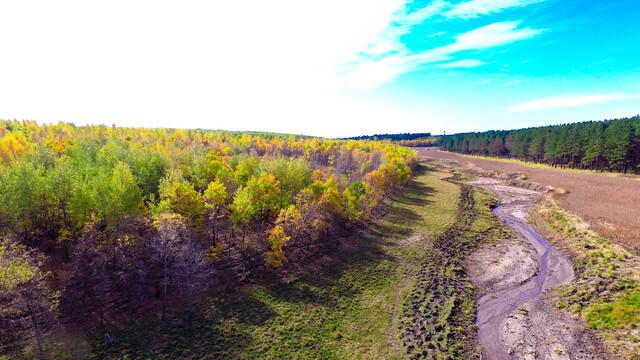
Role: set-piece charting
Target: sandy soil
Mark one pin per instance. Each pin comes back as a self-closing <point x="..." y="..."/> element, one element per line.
<point x="539" y="331"/>
<point x="516" y="318"/>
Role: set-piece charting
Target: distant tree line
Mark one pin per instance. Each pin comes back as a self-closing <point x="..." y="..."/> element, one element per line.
<point x="393" y="137"/>
<point x="612" y="145"/>
<point x="406" y="139"/>
<point x="426" y="142"/>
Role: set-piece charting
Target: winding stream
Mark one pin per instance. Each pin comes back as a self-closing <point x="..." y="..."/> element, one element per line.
<point x="494" y="307"/>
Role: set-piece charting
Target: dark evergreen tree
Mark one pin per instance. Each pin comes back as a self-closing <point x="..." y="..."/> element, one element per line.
<point x="596" y="145"/>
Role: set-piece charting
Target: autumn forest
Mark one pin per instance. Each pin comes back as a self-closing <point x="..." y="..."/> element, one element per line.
<point x="97" y="220"/>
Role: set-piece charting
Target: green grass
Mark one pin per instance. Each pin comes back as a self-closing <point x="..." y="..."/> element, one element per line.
<point x="606" y="294"/>
<point x="429" y="205"/>
<point x="621" y="313"/>
<point x="446" y="322"/>
<point x="485" y="219"/>
<point x="344" y="311"/>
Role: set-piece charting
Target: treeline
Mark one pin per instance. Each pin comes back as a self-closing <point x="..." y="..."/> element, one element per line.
<point x="406" y="139"/>
<point x="96" y="221"/>
<point x="612" y="145"/>
<point x="393" y="137"/>
<point x="432" y="141"/>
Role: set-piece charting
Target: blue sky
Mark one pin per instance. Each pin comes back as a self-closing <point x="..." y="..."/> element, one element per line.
<point x="331" y="68"/>
<point x="512" y="63"/>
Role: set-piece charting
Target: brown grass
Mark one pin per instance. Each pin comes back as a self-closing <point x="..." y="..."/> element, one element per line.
<point x="610" y="204"/>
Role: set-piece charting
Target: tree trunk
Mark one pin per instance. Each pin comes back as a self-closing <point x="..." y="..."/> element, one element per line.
<point x="138" y="297"/>
<point x="244" y="266"/>
<point x="36" y="328"/>
<point x="190" y="322"/>
<point x="164" y="298"/>
<point x="101" y="309"/>
<point x="215" y="231"/>
<point x="64" y="215"/>
<point x="229" y="242"/>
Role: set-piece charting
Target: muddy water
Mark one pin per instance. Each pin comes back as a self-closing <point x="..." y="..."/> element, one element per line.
<point x="494" y="307"/>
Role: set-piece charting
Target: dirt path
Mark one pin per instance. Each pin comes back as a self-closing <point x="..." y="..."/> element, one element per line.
<point x="514" y="320"/>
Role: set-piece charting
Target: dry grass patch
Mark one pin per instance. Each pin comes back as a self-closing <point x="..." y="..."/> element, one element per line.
<point x="611" y="204"/>
<point x="606" y="295"/>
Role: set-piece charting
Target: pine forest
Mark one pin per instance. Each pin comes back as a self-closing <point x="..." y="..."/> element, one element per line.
<point x="595" y="145"/>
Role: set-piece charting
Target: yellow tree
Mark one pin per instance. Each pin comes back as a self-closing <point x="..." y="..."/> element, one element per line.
<point x="265" y="195"/>
<point x="330" y="198"/>
<point x="278" y="239"/>
<point x="12" y="146"/>
<point x="291" y="220"/>
<point x="314" y="217"/>
<point x="214" y="200"/>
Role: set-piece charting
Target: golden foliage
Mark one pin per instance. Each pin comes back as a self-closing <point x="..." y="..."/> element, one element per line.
<point x="278" y="239"/>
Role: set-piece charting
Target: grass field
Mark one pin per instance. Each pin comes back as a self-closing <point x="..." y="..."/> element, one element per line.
<point x="438" y="309"/>
<point x="606" y="294"/>
<point x="346" y="310"/>
<point x="608" y="203"/>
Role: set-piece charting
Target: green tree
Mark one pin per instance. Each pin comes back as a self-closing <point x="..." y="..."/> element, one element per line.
<point x="617" y="150"/>
<point x="22" y="189"/>
<point x="265" y="195"/>
<point x="594" y="151"/>
<point x="181" y="198"/>
<point x="245" y="169"/>
<point x="242" y="212"/>
<point x="360" y="198"/>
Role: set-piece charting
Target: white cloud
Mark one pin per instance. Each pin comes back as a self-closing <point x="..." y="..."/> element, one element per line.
<point x="437" y="34"/>
<point x="467" y="63"/>
<point x="510" y="82"/>
<point x="496" y="34"/>
<point x="370" y="73"/>
<point x="419" y="16"/>
<point x="463" y="10"/>
<point x="389" y="57"/>
<point x="570" y="101"/>
<point x="473" y="8"/>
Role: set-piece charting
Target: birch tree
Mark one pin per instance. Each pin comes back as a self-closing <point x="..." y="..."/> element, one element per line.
<point x="167" y="246"/>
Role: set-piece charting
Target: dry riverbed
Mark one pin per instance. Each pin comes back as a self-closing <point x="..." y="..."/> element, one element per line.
<point x="517" y="316"/>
